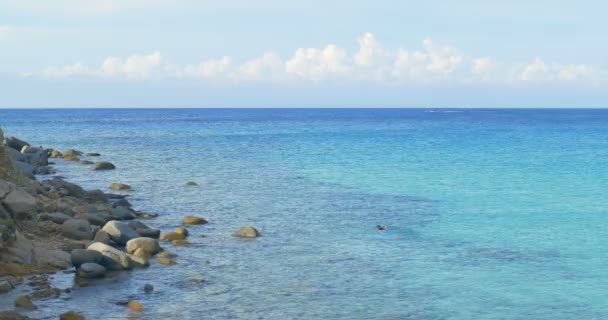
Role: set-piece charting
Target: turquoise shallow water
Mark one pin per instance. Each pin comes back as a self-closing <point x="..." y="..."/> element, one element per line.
<point x="492" y="214"/>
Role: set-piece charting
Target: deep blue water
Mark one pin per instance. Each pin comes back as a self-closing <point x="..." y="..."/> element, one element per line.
<point x="492" y="214"/>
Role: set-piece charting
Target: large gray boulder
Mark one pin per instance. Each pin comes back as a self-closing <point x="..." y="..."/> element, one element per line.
<point x="148" y="245"/>
<point x="52" y="258"/>
<point x="123" y="213"/>
<point x="119" y="232"/>
<point x="113" y="259"/>
<point x="91" y="271"/>
<point x="82" y="256"/>
<point x="56" y="217"/>
<point x="21" y="204"/>
<point x="77" y="229"/>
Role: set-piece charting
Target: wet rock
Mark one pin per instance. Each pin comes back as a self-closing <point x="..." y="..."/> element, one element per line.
<point x="94" y="219"/>
<point x="15" y="143"/>
<point x="77" y="229"/>
<point x="135" y="305"/>
<point x="96" y="195"/>
<point x="71" y="315"/>
<point x="25" y="302"/>
<point x="181" y="243"/>
<point x="93" y="154"/>
<point x="137" y="225"/>
<point x="193" y="220"/>
<point x="141" y="253"/>
<point x="138" y="261"/>
<point x="79" y="257"/>
<point x="148" y="288"/>
<point x="247" y="232"/>
<point x="70" y="158"/>
<point x="72" y="152"/>
<point x="55" y="154"/>
<point x="123" y="213"/>
<point x="170" y="236"/>
<point x="12" y="315"/>
<point x="165" y="261"/>
<point x="91" y="270"/>
<point x="104" y="165"/>
<point x="191" y="183"/>
<point x="121" y="203"/>
<point x="20" y="204"/>
<point x="103" y="237"/>
<point x="165" y="254"/>
<point x="148" y="245"/>
<point x="119" y="186"/>
<point x="120" y="232"/>
<point x="56" y="217"/>
<point x="113" y="259"/>
<point x="182" y="230"/>
<point x="44" y="293"/>
<point x="5" y="286"/>
<point x="148" y="233"/>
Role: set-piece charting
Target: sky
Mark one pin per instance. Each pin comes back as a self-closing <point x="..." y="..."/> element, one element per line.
<point x="278" y="53"/>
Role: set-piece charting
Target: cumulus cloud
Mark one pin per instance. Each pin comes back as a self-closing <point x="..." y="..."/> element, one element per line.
<point x="370" y="62"/>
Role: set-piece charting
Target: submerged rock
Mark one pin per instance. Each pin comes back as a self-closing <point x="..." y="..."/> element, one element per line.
<point x="180" y="243"/>
<point x="93" y="154"/>
<point x="247" y="232"/>
<point x="91" y="270"/>
<point x="86" y="162"/>
<point x="193" y="220"/>
<point x="165" y="261"/>
<point x="170" y="236"/>
<point x="148" y="288"/>
<point x="25" y="302"/>
<point x="191" y="183"/>
<point x="104" y="165"/>
<point x="71" y="315"/>
<point x="119" y="186"/>
<point x="12" y="315"/>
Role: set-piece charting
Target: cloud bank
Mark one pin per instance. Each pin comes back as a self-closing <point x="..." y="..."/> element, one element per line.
<point x="370" y="62"/>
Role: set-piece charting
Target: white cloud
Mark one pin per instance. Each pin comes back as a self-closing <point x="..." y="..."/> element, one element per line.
<point x="318" y="64"/>
<point x="371" y="62"/>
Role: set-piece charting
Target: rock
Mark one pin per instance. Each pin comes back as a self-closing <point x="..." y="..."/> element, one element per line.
<point x="71" y="315"/>
<point x="138" y="261"/>
<point x="96" y="195"/>
<point x="103" y="237"/>
<point x="56" y="217"/>
<point x="141" y="253"/>
<point x="170" y="236"/>
<point x="44" y="293"/>
<point x="121" y="203"/>
<point x="180" y="243"/>
<point x="70" y="158"/>
<point x="123" y="213"/>
<point x="20" y="204"/>
<point x="191" y="183"/>
<point x="119" y="232"/>
<point x="72" y="152"/>
<point x="53" y="258"/>
<point x="148" y="233"/>
<point x="86" y="162"/>
<point x="247" y="232"/>
<point x="135" y="305"/>
<point x="25" y="303"/>
<point x="55" y="154"/>
<point x="44" y="170"/>
<point x="165" y="261"/>
<point x="193" y="220"/>
<point x="165" y="254"/>
<point x="104" y="165"/>
<point x="93" y="154"/>
<point x="91" y="270"/>
<point x="79" y="257"/>
<point x="182" y="230"/>
<point x="148" y="288"/>
<point x="77" y="229"/>
<point x="149" y="245"/>
<point x="72" y="189"/>
<point x="5" y="286"/>
<point x="137" y="225"/>
<point x="113" y="259"/>
<point x="119" y="186"/>
<point x="12" y="315"/>
<point x="25" y="168"/>
<point x="15" y="143"/>
<point x="94" y="219"/>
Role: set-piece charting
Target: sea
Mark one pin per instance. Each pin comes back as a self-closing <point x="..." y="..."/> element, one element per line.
<point x="491" y="213"/>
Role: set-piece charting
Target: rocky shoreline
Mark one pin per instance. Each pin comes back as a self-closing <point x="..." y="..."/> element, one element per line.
<point x="51" y="224"/>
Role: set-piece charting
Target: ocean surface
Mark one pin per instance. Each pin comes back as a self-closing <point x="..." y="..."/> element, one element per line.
<point x="492" y="214"/>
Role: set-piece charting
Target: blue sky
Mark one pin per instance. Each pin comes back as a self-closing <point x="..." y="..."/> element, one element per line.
<point x="382" y="53"/>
